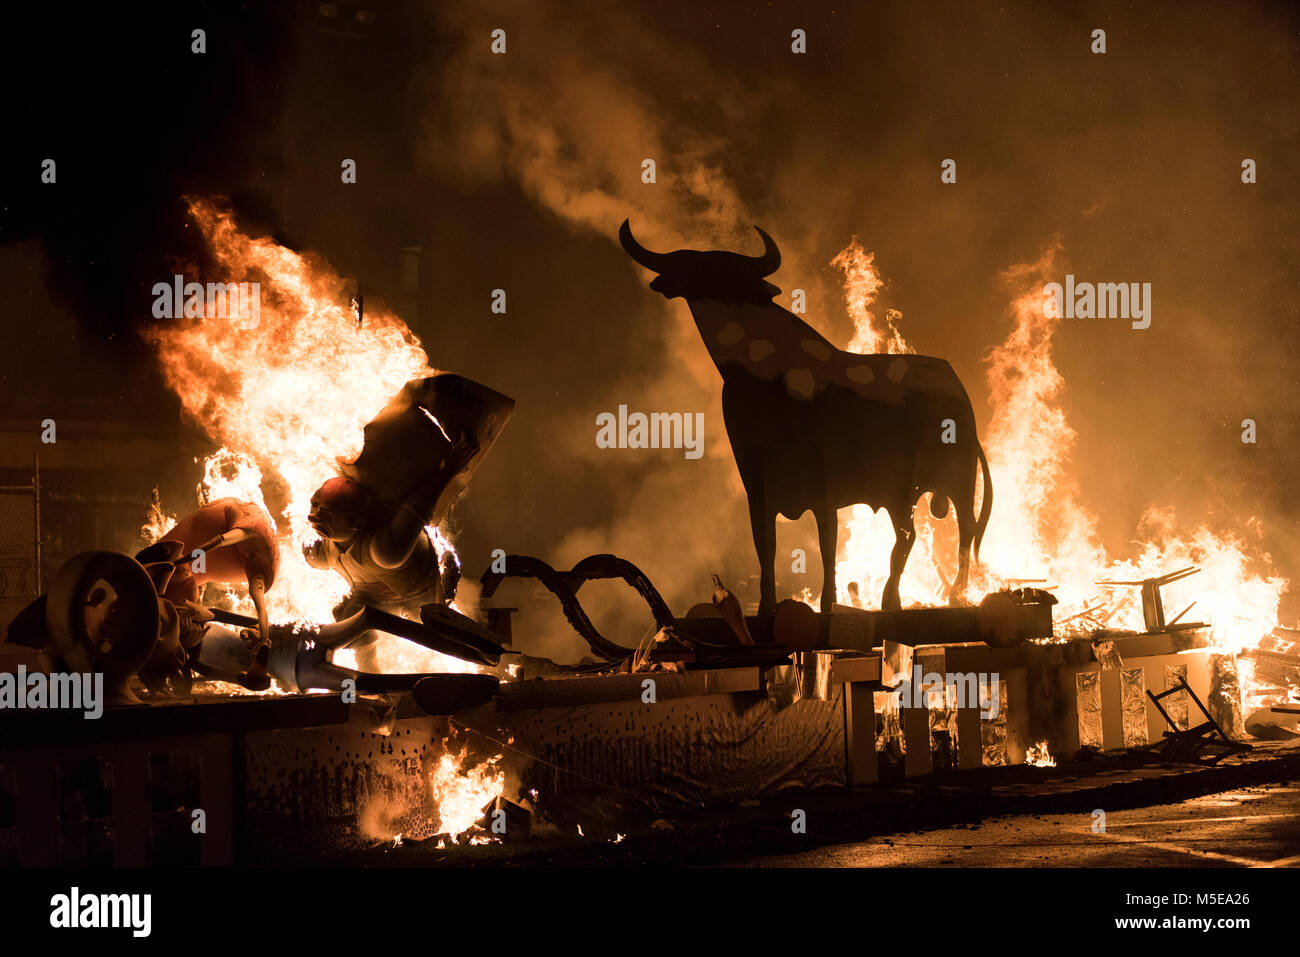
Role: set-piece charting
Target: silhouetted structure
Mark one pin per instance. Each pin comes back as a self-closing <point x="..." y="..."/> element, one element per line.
<point x="813" y="427"/>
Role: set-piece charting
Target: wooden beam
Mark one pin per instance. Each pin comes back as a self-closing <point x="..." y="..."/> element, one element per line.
<point x="970" y="741"/>
<point x="34" y="729"/>
<point x="1112" y="712"/>
<point x="861" y="765"/>
<point x="864" y="668"/>
<point x="915" y="719"/>
<point x="1018" y="737"/>
<point x="596" y="689"/>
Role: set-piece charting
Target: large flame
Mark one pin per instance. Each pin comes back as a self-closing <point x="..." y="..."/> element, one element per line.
<point x="1040" y="530"/>
<point x="461" y="793"/>
<point x="287" y="396"/>
<point x="863" y="568"/>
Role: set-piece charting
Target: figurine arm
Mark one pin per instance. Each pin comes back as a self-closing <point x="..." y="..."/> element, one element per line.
<point x="316" y="554"/>
<point x="257" y="591"/>
<point x="393" y="544"/>
<point x="232" y="537"/>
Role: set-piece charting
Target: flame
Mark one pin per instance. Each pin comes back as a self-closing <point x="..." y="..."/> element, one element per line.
<point x="863" y="567"/>
<point x="1038" y="756"/>
<point x="861" y="283"/>
<point x="1040" y="530"/>
<point x="157" y="521"/>
<point x="287" y="395"/>
<point x="461" y="793"/>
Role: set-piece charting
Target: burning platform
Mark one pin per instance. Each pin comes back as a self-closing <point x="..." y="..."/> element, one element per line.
<point x="317" y="545"/>
<point x="296" y="777"/>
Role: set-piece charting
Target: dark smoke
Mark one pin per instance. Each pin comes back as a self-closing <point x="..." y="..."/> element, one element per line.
<point x="514" y="172"/>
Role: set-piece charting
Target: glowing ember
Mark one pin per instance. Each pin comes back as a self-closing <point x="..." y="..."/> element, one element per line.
<point x="460" y="794"/>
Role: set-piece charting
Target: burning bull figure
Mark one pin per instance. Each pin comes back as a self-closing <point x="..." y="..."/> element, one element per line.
<point x="813" y="427"/>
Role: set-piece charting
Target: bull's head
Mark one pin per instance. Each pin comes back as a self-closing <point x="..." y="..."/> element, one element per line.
<point x="693" y="274"/>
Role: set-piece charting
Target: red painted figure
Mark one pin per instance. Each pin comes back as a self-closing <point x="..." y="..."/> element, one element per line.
<point x="228" y="541"/>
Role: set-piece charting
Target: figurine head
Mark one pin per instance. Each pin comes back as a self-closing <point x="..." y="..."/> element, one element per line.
<point x="339" y="509"/>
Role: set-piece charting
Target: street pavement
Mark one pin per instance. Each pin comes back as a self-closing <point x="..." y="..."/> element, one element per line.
<point x="1247" y="827"/>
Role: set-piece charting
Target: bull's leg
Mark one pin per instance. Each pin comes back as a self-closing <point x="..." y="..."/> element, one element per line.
<point x="904" y="536"/>
<point x="828" y="529"/>
<point x="966" y="536"/>
<point x="763" y="524"/>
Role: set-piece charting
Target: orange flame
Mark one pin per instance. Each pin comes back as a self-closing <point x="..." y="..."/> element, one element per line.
<point x="461" y="793"/>
<point x="870" y="536"/>
<point x="1038" y="756"/>
<point x="1039" y="528"/>
<point x="288" y="394"/>
<point x="862" y="281"/>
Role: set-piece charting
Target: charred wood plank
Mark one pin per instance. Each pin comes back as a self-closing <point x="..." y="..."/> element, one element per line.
<point x="597" y="689"/>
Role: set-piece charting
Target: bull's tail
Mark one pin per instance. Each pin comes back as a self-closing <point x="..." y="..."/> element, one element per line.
<point x="986" y="506"/>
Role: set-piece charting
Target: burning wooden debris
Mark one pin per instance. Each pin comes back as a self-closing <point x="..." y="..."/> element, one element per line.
<point x="1275" y="672"/>
<point x="1205" y="742"/>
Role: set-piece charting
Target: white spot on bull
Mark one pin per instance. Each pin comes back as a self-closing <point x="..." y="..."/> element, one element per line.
<point x="731" y="333"/>
<point x="860" y="373"/>
<point x="800" y="383"/>
<point x="760" y="349"/>
<point x="897" y="369"/>
<point x="818" y="350"/>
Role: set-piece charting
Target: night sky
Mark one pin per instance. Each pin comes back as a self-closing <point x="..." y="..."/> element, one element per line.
<point x="515" y="171"/>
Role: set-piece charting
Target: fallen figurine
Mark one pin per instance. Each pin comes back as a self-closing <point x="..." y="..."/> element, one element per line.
<point x="299" y="658"/>
<point x="105" y="613"/>
<point x="226" y="541"/>
<point x="375" y="520"/>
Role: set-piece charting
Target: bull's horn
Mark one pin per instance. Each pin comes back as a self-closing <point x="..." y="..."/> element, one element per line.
<point x="770" y="261"/>
<point x="654" y="261"/>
